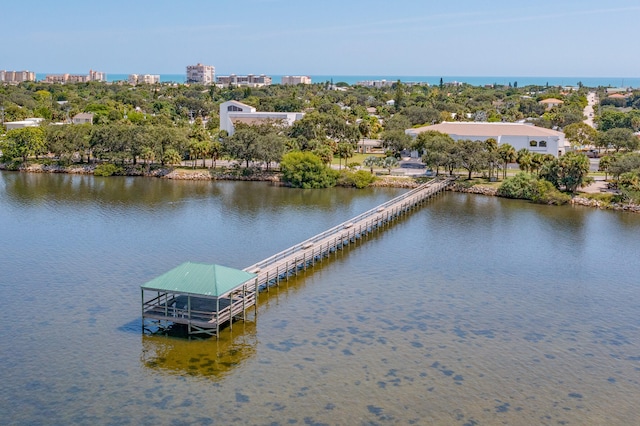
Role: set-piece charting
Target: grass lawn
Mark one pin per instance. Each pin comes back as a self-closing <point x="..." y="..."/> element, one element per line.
<point x="357" y="158"/>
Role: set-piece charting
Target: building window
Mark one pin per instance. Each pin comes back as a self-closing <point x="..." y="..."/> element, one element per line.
<point x="233" y="108"/>
<point x="542" y="144"/>
<point x="533" y="143"/>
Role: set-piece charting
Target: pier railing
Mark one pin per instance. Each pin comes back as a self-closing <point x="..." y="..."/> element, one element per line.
<point x="299" y="256"/>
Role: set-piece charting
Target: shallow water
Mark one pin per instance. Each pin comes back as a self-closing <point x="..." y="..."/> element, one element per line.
<point x="472" y="310"/>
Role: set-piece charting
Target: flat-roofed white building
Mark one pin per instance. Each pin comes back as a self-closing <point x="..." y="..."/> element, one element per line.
<point x="233" y="112"/>
<point x="27" y="122"/>
<point x="518" y="135"/>
<point x="376" y="83"/>
<point x="295" y="79"/>
<point x="248" y="80"/>
<point x="204" y="74"/>
<point x="134" y="79"/>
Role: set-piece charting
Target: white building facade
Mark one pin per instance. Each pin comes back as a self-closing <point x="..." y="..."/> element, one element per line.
<point x="134" y="79"/>
<point x="233" y="112"/>
<point x="292" y="80"/>
<point x="248" y="80"/>
<point x="204" y="74"/>
<point x="518" y="135"/>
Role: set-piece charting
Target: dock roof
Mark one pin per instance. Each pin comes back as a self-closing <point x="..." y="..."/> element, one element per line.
<point x="200" y="279"/>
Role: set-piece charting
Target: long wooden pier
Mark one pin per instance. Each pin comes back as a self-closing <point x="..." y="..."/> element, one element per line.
<point x="182" y="300"/>
<point x="288" y="262"/>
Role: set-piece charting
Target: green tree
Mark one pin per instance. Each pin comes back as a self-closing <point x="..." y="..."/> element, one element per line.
<point x="605" y="165"/>
<point x="437" y="148"/>
<point x="619" y="138"/>
<point x="306" y="170"/>
<point x="395" y="140"/>
<point x="470" y="155"/>
<point x="24" y="143"/>
<point x="398" y="97"/>
<point x="580" y="134"/>
<point x="573" y="170"/>
<point x="243" y="144"/>
<point x="172" y="157"/>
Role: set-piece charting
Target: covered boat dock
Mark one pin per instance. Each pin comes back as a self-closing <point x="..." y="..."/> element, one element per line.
<point x="200" y="296"/>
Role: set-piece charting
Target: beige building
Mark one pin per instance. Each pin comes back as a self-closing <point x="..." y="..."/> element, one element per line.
<point x="204" y="74"/>
<point x="16" y="76"/>
<point x="248" y="80"/>
<point x="551" y="102"/>
<point x="134" y="79"/>
<point x="83" y="118"/>
<point x="518" y="135"/>
<point x="76" y="78"/>
<point x="295" y="79"/>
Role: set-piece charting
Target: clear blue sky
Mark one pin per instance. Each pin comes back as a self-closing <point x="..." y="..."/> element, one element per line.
<point x="586" y="38"/>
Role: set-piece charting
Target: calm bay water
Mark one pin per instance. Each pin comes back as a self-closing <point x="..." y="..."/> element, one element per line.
<point x="473" y="310"/>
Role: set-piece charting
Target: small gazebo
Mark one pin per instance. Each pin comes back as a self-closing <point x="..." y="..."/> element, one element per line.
<point x="201" y="296"/>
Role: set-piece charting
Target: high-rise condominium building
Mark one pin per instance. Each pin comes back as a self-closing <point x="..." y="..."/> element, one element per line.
<point x="204" y="74"/>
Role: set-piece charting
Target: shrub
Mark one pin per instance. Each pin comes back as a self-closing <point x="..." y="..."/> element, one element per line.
<point x="359" y="179"/>
<point x="527" y="187"/>
<point x="107" y="169"/>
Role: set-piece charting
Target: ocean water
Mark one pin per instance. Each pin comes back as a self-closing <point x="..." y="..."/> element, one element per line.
<point x="633" y="82"/>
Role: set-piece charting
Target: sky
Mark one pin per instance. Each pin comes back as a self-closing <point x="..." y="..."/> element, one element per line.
<point x="588" y="38"/>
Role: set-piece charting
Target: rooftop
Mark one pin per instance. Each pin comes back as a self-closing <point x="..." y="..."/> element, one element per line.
<point x="200" y="279"/>
<point x="483" y="129"/>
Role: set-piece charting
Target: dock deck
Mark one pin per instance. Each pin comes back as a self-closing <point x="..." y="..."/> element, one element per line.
<point x="206" y="314"/>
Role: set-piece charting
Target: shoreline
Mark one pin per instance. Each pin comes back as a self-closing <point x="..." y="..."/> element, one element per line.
<point x="408" y="182"/>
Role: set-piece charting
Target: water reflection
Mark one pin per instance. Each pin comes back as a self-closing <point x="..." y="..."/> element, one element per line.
<point x="27" y="189"/>
<point x="206" y="357"/>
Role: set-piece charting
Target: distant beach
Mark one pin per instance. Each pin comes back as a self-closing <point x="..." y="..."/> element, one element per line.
<point x="633" y="82"/>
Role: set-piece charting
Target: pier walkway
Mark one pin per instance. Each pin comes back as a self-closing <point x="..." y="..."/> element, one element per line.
<point x="302" y="255"/>
<point x="205" y="297"/>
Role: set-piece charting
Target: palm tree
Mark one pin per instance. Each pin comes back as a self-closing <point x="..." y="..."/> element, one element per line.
<point x="172" y="157"/>
<point x="524" y="159"/>
<point x="389" y="163"/>
<point x="507" y="155"/>
<point x="371" y="161"/>
<point x="148" y="156"/>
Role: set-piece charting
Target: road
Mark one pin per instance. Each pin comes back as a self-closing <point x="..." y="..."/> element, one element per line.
<point x="588" y="110"/>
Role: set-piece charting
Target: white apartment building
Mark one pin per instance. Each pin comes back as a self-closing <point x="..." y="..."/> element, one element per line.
<point x="204" y="74"/>
<point x="295" y="79"/>
<point x="16" y="76"/>
<point x="248" y="80"/>
<point x="376" y="83"/>
<point x="134" y="79"/>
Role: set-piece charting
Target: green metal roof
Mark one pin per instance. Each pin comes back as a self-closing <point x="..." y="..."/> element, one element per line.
<point x="201" y="279"/>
